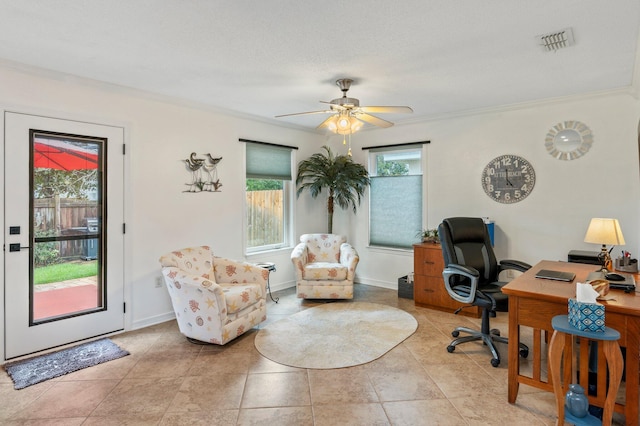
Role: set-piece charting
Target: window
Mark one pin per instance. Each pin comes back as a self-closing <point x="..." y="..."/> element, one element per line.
<point x="395" y="195"/>
<point x="268" y="195"/>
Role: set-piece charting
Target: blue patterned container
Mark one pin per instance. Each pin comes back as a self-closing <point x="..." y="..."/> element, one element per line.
<point x="586" y="316"/>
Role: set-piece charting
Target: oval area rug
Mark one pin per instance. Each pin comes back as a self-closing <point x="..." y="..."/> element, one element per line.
<point x="335" y="335"/>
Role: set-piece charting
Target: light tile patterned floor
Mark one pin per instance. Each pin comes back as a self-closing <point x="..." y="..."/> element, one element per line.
<point x="168" y="381"/>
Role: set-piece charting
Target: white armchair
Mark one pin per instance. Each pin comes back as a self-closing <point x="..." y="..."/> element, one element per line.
<point x="325" y="266"/>
<point x="215" y="299"/>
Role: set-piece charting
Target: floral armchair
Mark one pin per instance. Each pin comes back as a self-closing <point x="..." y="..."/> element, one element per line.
<point x="325" y="266"/>
<point x="215" y="299"/>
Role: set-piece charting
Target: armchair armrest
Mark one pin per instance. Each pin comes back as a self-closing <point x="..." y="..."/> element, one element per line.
<point x="349" y="258"/>
<point x="188" y="289"/>
<point x="299" y="257"/>
<point x="517" y="265"/>
<point x="462" y="292"/>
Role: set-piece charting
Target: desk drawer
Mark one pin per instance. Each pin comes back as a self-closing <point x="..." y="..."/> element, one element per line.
<point x="428" y="261"/>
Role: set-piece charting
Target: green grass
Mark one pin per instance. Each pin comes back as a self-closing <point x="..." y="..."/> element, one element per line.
<point x="64" y="271"/>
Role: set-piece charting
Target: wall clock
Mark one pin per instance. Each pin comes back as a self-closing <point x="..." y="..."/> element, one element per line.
<point x="508" y="179"/>
<point x="568" y="140"/>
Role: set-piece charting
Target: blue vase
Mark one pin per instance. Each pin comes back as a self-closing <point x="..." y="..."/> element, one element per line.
<point x="576" y="401"/>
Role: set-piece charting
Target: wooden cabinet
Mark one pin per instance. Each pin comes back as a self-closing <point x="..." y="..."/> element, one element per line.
<point x="428" y="285"/>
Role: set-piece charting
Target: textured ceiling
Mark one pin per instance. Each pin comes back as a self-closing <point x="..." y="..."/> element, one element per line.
<point x="266" y="58"/>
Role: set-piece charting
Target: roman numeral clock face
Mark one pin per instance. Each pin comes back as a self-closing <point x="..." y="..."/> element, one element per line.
<point x="508" y="179"/>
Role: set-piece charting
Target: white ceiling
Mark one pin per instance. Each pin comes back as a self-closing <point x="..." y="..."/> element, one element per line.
<point x="266" y="58"/>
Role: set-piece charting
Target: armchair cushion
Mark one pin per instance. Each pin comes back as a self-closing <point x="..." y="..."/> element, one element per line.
<point x="324" y="271"/>
<point x="241" y="296"/>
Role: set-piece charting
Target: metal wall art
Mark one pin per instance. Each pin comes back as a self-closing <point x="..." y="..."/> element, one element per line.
<point x="204" y="173"/>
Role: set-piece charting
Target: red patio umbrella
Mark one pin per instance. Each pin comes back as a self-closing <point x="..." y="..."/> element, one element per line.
<point x="59" y="155"/>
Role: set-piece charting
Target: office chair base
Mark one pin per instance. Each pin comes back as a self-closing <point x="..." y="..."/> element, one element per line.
<point x="489" y="339"/>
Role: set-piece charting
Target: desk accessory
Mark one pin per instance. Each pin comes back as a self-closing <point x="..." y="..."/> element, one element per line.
<point x="548" y="274"/>
<point x="584" y="256"/>
<point x="585" y="313"/>
<point x="628" y="285"/>
<point x="604" y="231"/>
<point x="625" y="263"/>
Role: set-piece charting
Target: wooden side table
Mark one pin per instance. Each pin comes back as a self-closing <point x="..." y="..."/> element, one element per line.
<point x="271" y="267"/>
<point x="562" y="340"/>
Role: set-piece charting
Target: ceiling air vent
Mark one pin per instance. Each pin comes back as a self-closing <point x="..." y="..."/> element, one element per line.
<point x="558" y="40"/>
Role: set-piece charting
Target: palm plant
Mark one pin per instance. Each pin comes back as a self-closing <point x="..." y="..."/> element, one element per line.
<point x="344" y="179"/>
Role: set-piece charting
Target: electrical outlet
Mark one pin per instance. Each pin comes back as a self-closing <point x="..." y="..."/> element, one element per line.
<point x="159" y="282"/>
<point x="510" y="274"/>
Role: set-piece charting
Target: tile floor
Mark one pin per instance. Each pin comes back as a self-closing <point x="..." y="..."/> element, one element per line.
<point x="169" y="381"/>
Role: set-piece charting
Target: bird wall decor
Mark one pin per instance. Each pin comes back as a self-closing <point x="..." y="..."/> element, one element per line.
<point x="204" y="173"/>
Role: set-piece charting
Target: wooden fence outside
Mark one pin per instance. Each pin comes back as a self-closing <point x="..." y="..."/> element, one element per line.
<point x="63" y="215"/>
<point x="264" y="218"/>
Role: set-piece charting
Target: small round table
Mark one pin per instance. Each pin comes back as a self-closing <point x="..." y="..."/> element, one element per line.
<point x="563" y="335"/>
<point x="271" y="267"/>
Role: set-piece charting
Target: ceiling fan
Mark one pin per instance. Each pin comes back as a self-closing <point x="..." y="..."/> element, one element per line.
<point x="347" y="114"/>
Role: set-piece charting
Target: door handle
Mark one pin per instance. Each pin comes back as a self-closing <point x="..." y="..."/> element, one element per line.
<point x="17" y="247"/>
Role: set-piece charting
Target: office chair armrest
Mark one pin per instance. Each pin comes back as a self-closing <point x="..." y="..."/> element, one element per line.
<point x="507" y="264"/>
<point x="463" y="293"/>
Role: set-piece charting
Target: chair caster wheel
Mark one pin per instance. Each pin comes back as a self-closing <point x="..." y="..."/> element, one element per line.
<point x="451" y="348"/>
<point x="455" y="333"/>
<point x="524" y="353"/>
<point x="495" y="332"/>
<point x="495" y="362"/>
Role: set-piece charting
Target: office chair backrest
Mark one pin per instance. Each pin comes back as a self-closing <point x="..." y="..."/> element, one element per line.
<point x="465" y="241"/>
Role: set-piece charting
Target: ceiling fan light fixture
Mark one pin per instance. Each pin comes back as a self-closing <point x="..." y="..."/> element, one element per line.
<point x="344" y="124"/>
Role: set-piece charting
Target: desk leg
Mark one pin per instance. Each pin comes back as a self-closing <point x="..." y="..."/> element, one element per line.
<point x="633" y="366"/>
<point x="513" y="359"/>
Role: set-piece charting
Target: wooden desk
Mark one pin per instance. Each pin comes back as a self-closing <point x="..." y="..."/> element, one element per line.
<point x="533" y="302"/>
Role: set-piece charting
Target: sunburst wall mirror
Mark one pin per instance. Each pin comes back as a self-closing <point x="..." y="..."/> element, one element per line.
<point x="568" y="140"/>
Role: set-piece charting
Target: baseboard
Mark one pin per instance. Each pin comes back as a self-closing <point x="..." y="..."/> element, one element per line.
<point x="157" y="319"/>
<point x="376" y="283"/>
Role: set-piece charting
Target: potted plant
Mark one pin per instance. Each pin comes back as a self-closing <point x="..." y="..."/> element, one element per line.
<point x="429" y="236"/>
<point x="343" y="179"/>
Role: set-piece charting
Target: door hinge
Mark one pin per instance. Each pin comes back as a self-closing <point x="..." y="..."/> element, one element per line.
<point x="124" y="228"/>
<point x="124" y="151"/>
<point x="124" y="307"/>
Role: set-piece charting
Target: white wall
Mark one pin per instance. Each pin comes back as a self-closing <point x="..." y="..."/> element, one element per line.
<point x="160" y="217"/>
<point x="160" y="135"/>
<point x="554" y="218"/>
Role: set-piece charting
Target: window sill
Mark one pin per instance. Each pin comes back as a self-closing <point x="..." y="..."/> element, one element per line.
<point x="391" y="250"/>
<point x="262" y="253"/>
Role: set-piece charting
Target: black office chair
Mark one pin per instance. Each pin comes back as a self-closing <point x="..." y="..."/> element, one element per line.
<point x="471" y="277"/>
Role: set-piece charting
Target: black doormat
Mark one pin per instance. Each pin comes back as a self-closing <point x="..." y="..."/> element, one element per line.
<point x="30" y="371"/>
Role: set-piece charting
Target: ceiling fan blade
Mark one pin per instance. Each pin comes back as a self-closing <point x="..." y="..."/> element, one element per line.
<point x="387" y="109"/>
<point x="306" y="113"/>
<point x="326" y="122"/>
<point x="374" y="120"/>
<point x="334" y="107"/>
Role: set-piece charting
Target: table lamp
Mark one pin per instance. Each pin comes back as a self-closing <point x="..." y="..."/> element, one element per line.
<point x="604" y="231"/>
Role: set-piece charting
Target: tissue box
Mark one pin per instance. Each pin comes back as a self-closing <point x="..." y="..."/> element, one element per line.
<point x="586" y="316"/>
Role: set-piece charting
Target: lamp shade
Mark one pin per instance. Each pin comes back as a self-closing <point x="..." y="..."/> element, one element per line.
<point x="344" y="124"/>
<point x="604" y="231"/>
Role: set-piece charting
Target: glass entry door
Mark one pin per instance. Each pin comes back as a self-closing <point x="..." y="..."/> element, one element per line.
<point x="67" y="211"/>
<point x="63" y="232"/>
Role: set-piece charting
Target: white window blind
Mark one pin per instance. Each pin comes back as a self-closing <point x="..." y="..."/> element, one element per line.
<point x="268" y="161"/>
<point x="395" y="201"/>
